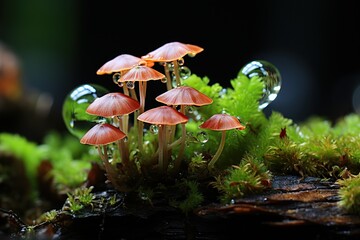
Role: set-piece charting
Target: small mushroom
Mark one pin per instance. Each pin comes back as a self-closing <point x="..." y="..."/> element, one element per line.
<point x="114" y="105"/>
<point x="221" y="122"/>
<point x="183" y="96"/>
<point x="141" y="74"/>
<point x="172" y="52"/>
<point x="119" y="66"/>
<point x="100" y="136"/>
<point x="163" y="116"/>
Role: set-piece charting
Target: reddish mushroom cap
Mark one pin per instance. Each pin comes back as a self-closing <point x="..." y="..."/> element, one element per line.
<point x="172" y="51"/>
<point x="121" y="63"/>
<point x="113" y="104"/>
<point x="221" y="122"/>
<point x="184" y="95"/>
<point x="163" y="115"/>
<point x="141" y="73"/>
<point x="102" y="134"/>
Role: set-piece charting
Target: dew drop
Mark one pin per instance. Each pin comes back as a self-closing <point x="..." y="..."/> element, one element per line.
<point x="116" y="77"/>
<point x="184" y="72"/>
<point x="154" y="129"/>
<point x="269" y="74"/>
<point x="130" y="84"/>
<point x="181" y="61"/>
<point x="173" y="82"/>
<point x="202" y="137"/>
<point x="164" y="80"/>
<point x="76" y="120"/>
<point x="170" y="66"/>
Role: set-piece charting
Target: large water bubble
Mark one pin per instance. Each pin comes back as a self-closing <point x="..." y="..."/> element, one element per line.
<point x="74" y="114"/>
<point x="269" y="74"/>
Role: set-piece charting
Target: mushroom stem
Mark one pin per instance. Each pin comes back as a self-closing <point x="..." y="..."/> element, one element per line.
<point x="177" y="73"/>
<point x="182" y="142"/>
<point x="168" y="78"/>
<point x="181" y="150"/>
<point x="122" y="144"/>
<point x="142" y="93"/>
<point x="162" y="148"/>
<point x="218" y="152"/>
<point x="125" y="125"/>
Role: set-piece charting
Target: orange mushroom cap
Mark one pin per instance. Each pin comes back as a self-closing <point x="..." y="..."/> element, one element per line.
<point x="184" y="95"/>
<point x="113" y="104"/>
<point x="163" y="115"/>
<point x="141" y="73"/>
<point x="221" y="122"/>
<point x="102" y="134"/>
<point x="172" y="51"/>
<point x="121" y="63"/>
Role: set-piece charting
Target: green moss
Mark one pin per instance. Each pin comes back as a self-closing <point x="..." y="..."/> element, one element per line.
<point x="350" y="194"/>
<point x="26" y="151"/>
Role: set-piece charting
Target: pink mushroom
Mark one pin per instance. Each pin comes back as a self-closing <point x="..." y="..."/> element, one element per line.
<point x="171" y="53"/>
<point x="163" y="116"/>
<point x="100" y="136"/>
<point x="141" y="74"/>
<point x="221" y="122"/>
<point x="183" y="96"/>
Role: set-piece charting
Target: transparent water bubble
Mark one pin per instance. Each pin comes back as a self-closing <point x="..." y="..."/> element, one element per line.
<point x="116" y="77"/>
<point x="270" y="76"/>
<point x="184" y="72"/>
<point x="76" y="120"/>
<point x="181" y="61"/>
<point x="130" y="84"/>
<point x="202" y="137"/>
<point x="154" y="129"/>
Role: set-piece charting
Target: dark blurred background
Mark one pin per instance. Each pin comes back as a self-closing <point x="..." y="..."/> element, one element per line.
<point x="61" y="44"/>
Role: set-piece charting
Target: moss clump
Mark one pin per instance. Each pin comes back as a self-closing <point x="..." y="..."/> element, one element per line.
<point x="350" y="194"/>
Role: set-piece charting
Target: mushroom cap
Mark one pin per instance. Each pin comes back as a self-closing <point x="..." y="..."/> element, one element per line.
<point x="121" y="63"/>
<point x="184" y="95"/>
<point x="102" y="134"/>
<point x="113" y="104"/>
<point x="163" y="115"/>
<point x="141" y="73"/>
<point x="172" y="51"/>
<point x="222" y="122"/>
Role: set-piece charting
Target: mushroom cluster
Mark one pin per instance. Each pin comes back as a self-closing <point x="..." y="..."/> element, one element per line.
<point x="172" y="116"/>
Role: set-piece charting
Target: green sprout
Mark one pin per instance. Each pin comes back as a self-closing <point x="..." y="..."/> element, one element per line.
<point x="80" y="198"/>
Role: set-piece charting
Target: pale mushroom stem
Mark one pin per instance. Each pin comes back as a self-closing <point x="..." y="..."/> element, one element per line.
<point x="163" y="160"/>
<point x="177" y="73"/>
<point x="133" y="94"/>
<point x="168" y="78"/>
<point x="122" y="144"/>
<point x="182" y="143"/>
<point x="182" y="147"/>
<point x="218" y="152"/>
<point x="125" y="125"/>
<point x="142" y="93"/>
